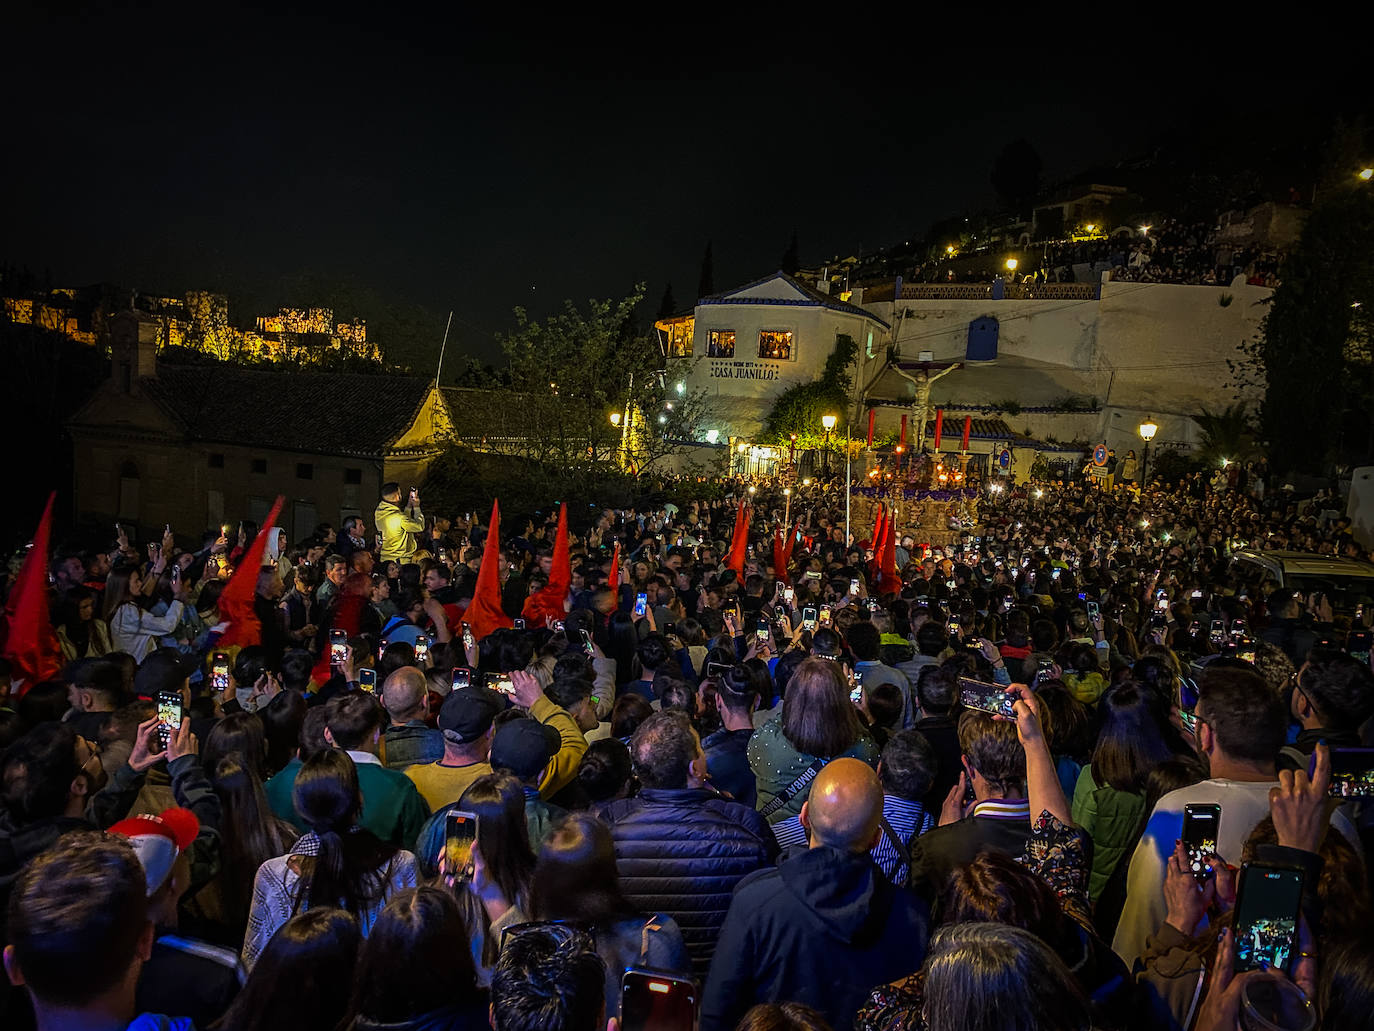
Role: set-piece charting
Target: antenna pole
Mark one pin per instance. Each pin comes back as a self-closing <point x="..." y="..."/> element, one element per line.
<point x="439" y="371"/>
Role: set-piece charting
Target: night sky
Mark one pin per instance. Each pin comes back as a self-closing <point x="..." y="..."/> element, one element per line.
<point x="449" y="167"/>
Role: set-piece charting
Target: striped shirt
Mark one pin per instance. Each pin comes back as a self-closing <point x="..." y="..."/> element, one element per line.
<point x="909" y="820"/>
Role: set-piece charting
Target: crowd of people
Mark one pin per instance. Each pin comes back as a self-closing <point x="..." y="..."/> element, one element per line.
<point x="743" y="766"/>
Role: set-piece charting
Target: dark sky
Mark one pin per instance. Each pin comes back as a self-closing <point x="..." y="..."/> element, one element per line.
<point x="450" y="167"/>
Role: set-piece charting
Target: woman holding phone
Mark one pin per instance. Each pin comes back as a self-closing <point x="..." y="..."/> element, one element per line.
<point x="135" y="630"/>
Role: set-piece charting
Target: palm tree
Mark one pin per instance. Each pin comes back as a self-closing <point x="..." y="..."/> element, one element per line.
<point x="1226" y="434"/>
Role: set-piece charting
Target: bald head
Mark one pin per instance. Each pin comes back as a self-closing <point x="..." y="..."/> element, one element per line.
<point x="404" y="694"/>
<point x="844" y="807"/>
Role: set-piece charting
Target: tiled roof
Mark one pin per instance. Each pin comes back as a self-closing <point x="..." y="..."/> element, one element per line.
<point x="326" y="413"/>
<point x="812" y="298"/>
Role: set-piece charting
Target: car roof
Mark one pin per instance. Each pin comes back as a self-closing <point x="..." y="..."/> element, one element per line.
<point x="1302" y="563"/>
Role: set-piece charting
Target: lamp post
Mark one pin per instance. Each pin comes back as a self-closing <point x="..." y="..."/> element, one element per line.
<point x="1147" y="432"/>
<point x="828" y="421"/>
<point x="787" y="506"/>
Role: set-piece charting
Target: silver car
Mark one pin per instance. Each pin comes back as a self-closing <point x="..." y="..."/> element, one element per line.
<point x="1345" y="582"/>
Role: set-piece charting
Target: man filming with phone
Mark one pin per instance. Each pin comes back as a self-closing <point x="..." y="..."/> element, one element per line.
<point x="397" y="525"/>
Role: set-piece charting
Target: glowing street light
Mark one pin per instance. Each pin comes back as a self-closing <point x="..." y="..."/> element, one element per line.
<point x="1145" y="230"/>
<point x="615" y="418"/>
<point x="1367" y="174"/>
<point x="1091" y="227"/>
<point x="1225" y="462"/>
<point x="949" y="249"/>
<point x="1147" y="431"/>
<point x="1039" y="493"/>
<point x="681" y="387"/>
<point x="828" y="421"/>
<point x="1011" y="264"/>
<point x="751" y="488"/>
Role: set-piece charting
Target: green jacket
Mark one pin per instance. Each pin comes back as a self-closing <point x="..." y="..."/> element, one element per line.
<point x="392" y="808"/>
<point x="777" y="765"/>
<point x="1112" y="819"/>
<point x="398" y="528"/>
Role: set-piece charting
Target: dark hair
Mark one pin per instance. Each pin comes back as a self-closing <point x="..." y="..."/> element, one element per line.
<point x="240" y="732"/>
<point x="503" y="837"/>
<point x="605" y="769"/>
<point x="282" y="719"/>
<point x="352" y="718"/>
<point x="653" y="652"/>
<point x="575" y="878"/>
<point x="865" y="641"/>
<point x="43" y="703"/>
<point x="994" y="887"/>
<point x="663" y="748"/>
<point x="312" y="742"/>
<point x="628" y="712"/>
<point x="1131" y="742"/>
<point x="885" y="705"/>
<point x="937" y="690"/>
<point x="1067" y="723"/>
<point x="569" y="692"/>
<point x="1044" y="636"/>
<point x="931" y="639"/>
<point x="314" y="953"/>
<point x="346" y="870"/>
<point x="36" y="773"/>
<point x="76" y="915"/>
<point x="416" y="959"/>
<point x="1247" y="718"/>
<point x="549" y="977"/>
<point x="250" y="664"/>
<point x="1345" y="993"/>
<point x="677" y="695"/>
<point x="250" y="834"/>
<point x="782" y="1016"/>
<point x="908" y="765"/>
<point x="1340" y="688"/>
<point x="993" y="749"/>
<point x="817" y="717"/>
<point x="296" y="667"/>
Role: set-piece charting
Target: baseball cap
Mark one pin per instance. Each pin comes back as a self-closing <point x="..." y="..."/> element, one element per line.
<point x="524" y="747"/>
<point x="467" y="713"/>
<point x="158" y="840"/>
<point x="164" y="670"/>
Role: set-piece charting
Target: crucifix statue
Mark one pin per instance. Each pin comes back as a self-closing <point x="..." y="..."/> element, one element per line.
<point x="922" y="375"/>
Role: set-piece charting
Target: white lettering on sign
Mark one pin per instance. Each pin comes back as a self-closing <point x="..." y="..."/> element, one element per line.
<point x="743" y="370"/>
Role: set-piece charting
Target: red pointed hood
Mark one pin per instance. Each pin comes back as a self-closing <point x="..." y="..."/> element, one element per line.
<point x="560" y="575"/>
<point x="739" y="542"/>
<point x="780" y="557"/>
<point x="888" y="580"/>
<point x="30" y="642"/>
<point x="613" y="581"/>
<point x="236" y="601"/>
<point x="485" y="613"/>
<point x="879" y="535"/>
<point x="549" y="601"/>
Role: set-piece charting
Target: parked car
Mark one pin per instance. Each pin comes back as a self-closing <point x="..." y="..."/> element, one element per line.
<point x="1345" y="582"/>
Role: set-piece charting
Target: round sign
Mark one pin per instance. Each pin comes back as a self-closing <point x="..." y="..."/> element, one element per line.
<point x="1004" y="459"/>
<point x="1100" y="454"/>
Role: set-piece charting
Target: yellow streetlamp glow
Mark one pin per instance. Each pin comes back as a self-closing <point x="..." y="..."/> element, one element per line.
<point x="742" y="448"/>
<point x="1011" y="264"/>
<point x="1091" y="227"/>
<point x="1148" y="429"/>
<point x="949" y="249"/>
<point x="615" y="418"/>
<point x="751" y="488"/>
<point x="787" y="491"/>
<point x="1145" y="230"/>
<point x="1367" y="174"/>
<point x="828" y="421"/>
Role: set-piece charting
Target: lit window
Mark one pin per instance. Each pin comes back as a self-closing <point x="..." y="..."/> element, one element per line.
<point x="775" y="344"/>
<point x="720" y="343"/>
<point x="680" y="339"/>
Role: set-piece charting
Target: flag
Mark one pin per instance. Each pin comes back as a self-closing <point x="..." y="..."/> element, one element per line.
<point x="485" y="613"/>
<point x="347" y="616"/>
<point x="613" y="582"/>
<point x="236" y="601"/>
<point x="780" y="557"/>
<point x="879" y="531"/>
<point x="30" y="644"/>
<point x="739" y="542"/>
<point x="548" y="602"/>
<point x="888" y="580"/>
<point x="793" y="535"/>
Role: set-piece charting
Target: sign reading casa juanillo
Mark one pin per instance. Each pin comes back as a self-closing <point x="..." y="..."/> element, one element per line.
<point x="743" y="370"/>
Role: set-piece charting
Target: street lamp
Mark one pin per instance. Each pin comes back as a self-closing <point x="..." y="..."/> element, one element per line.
<point x="1367" y="174"/>
<point x="828" y="421"/>
<point x="1147" y="432"/>
<point x="1011" y="264"/>
<point x="615" y="418"/>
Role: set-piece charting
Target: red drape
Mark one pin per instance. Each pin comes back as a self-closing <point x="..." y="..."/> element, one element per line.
<point x="485" y="613"/>
<point x="30" y="644"/>
<point x="888" y="580"/>
<point x="939" y="426"/>
<point x="614" y="582"/>
<point x="548" y="602"/>
<point x="236" y="600"/>
<point x="780" y="557"/>
<point x="879" y="530"/>
<point x="739" y="541"/>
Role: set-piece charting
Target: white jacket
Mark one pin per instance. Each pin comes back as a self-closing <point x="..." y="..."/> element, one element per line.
<point x="137" y="632"/>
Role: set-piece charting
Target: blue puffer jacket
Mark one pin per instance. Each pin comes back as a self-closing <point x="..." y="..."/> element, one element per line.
<point x="681" y="852"/>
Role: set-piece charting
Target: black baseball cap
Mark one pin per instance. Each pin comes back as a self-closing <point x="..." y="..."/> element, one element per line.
<point x="467" y="713"/>
<point x="164" y="670"/>
<point x="524" y="747"/>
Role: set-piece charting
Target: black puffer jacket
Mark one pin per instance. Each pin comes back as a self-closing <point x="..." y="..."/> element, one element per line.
<point x="681" y="852"/>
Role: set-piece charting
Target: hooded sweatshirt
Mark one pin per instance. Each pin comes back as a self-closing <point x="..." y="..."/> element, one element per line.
<point x="824" y="929"/>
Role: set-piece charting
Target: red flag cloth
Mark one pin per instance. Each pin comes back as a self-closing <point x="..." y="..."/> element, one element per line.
<point x="348" y="617"/>
<point x="902" y="442"/>
<point x="236" y="600"/>
<point x="794" y="535"/>
<point x="614" y="581"/>
<point x="485" y="613"/>
<point x="879" y="530"/>
<point x="888" y="580"/>
<point x="739" y="542"/>
<point x="939" y="426"/>
<point x="30" y="644"/>
<point x="548" y="602"/>
<point x="780" y="557"/>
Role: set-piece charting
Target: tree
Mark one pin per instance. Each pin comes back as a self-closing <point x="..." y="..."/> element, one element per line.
<point x="1225" y="435"/>
<point x="799" y="409"/>
<point x="791" y="258"/>
<point x="1016" y="175"/>
<point x="706" y="283"/>
<point x="667" y="306"/>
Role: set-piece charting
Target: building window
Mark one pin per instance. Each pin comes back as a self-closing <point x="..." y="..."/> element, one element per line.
<point x="305" y="471"/>
<point x="677" y="337"/>
<point x="776" y="344"/>
<point x="354" y="476"/>
<point x="260" y="466"/>
<point x="720" y="343"/>
<point x="216" y="460"/>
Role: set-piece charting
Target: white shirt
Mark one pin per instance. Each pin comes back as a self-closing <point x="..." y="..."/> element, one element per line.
<point x="363" y="757"/>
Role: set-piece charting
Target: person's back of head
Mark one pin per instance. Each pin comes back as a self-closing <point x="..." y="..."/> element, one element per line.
<point x="908" y="765"/>
<point x="627" y="713"/>
<point x="1345" y="993"/>
<point x="1240" y="715"/>
<point x="46" y="702"/>
<point x="1018" y="623"/>
<point x="352" y="720"/>
<point x="1283" y="603"/>
<point x="885" y="705"/>
<point x="782" y="1016"/>
<point x="663" y="749"/>
<point x="931" y="639"/>
<point x="865" y="641"/>
<point x="992" y="977"/>
<point x="605" y="770"/>
<point x="548" y="978"/>
<point x="416" y="960"/>
<point x="575" y="878"/>
<point x="676" y="695"/>
<point x="296" y="667"/>
<point x="78" y="923"/>
<point x="405" y="694"/>
<point x="653" y="652"/>
<point x="991" y="747"/>
<point x="995" y="888"/>
<point x="314" y="953"/>
<point x="39" y="772"/>
<point x="826" y="643"/>
<point x="1044" y="636"/>
<point x="845" y="806"/>
<point x="98" y="684"/>
<point x="937" y="691"/>
<point x="1338" y="687"/>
